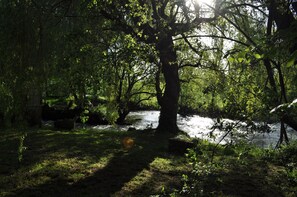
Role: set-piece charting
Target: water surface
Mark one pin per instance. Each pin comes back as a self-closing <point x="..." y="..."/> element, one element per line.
<point x="202" y="128"/>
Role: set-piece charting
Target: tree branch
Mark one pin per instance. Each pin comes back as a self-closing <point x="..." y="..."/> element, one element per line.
<point x="214" y="36"/>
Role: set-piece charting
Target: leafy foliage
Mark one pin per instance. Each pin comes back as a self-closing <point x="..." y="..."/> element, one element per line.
<point x="248" y="169"/>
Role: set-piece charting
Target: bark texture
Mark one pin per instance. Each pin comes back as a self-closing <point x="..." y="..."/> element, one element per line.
<point x="169" y="101"/>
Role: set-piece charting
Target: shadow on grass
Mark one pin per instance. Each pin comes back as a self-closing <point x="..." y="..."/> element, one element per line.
<point x="122" y="168"/>
<point x="86" y="147"/>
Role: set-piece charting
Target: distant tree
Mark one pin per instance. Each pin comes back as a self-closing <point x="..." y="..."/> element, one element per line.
<point x="128" y="74"/>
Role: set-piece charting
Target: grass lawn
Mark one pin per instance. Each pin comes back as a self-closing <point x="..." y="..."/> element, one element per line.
<point x="86" y="163"/>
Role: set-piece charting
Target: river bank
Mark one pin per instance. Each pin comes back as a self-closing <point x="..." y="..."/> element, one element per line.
<point x="203" y="128"/>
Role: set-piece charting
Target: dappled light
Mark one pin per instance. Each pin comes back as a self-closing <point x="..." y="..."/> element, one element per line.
<point x="148" y="98"/>
<point x="83" y="163"/>
<point x="91" y="167"/>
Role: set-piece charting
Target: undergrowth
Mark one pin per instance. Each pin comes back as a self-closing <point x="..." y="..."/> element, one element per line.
<point x="239" y="170"/>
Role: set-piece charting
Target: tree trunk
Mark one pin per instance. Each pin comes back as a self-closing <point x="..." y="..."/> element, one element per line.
<point x="290" y="121"/>
<point x="267" y="62"/>
<point x="122" y="116"/>
<point x="282" y="84"/>
<point x="169" y="101"/>
<point x="33" y="107"/>
<point x="34" y="102"/>
<point x="157" y="85"/>
<point x="283" y="134"/>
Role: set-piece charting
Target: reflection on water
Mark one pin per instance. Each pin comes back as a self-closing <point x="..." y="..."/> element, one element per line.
<point x="201" y="127"/>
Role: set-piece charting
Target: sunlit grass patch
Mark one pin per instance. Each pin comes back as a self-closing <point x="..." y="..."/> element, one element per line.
<point x="162" y="172"/>
<point x="50" y="155"/>
<point x="169" y="164"/>
<point x="136" y="183"/>
<point x="69" y="169"/>
<point x="81" y="161"/>
<point x="100" y="164"/>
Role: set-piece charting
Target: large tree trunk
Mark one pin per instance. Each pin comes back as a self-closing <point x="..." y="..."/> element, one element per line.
<point x="34" y="95"/>
<point x="34" y="108"/>
<point x="169" y="101"/>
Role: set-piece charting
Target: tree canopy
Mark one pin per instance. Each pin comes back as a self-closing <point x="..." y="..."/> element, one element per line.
<point x="229" y="58"/>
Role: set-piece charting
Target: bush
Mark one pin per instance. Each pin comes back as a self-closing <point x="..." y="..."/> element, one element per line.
<point x="240" y="170"/>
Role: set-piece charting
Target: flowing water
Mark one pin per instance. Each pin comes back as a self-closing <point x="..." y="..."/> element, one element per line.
<point x="202" y="128"/>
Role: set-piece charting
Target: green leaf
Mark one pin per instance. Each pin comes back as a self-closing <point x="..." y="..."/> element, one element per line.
<point x="240" y="60"/>
<point x="258" y="56"/>
<point x="292" y="59"/>
<point x="231" y="59"/>
<point x="290" y="63"/>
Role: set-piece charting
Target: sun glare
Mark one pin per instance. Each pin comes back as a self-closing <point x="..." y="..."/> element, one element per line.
<point x="203" y="1"/>
<point x="204" y="6"/>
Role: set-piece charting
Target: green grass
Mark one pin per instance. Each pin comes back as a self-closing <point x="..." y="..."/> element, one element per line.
<point x="86" y="163"/>
<point x="95" y="163"/>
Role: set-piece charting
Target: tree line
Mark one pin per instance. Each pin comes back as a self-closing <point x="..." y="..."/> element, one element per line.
<point x="230" y="58"/>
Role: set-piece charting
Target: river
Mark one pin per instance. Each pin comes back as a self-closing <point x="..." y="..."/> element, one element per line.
<point x="201" y="127"/>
